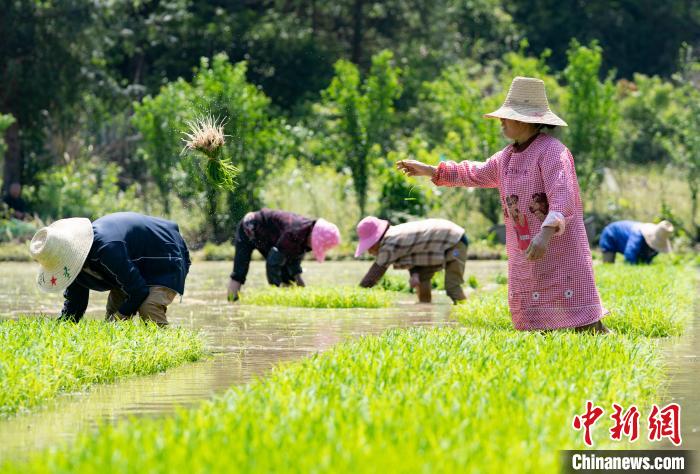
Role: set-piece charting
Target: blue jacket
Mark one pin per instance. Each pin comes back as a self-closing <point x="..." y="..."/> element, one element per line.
<point x="626" y="237"/>
<point x="129" y="252"/>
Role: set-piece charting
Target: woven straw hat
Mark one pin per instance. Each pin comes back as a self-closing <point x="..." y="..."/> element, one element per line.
<point x="527" y="102"/>
<point x="61" y="250"/>
<point x="658" y="236"/>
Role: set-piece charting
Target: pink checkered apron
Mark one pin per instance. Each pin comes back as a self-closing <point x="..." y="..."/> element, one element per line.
<point x="559" y="290"/>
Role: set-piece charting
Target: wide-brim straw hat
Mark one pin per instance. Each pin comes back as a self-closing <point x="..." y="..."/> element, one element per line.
<point x="61" y="249"/>
<point x="527" y="102"/>
<point x="658" y="236"/>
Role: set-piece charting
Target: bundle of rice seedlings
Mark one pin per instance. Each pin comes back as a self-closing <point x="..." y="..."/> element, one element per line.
<point x="206" y="136"/>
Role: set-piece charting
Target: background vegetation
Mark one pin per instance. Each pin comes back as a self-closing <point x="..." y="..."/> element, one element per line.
<point x="321" y="98"/>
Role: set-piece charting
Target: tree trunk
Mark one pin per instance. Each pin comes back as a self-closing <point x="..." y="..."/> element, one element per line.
<point x="13" y="157"/>
<point x="357" y="32"/>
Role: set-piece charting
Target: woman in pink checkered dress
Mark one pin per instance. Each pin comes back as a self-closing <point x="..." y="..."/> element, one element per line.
<point x="550" y="272"/>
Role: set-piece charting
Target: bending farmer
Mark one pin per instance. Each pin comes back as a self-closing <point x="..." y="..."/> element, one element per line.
<point x="282" y="238"/>
<point x="639" y="242"/>
<point x="422" y="247"/>
<point x="141" y="260"/>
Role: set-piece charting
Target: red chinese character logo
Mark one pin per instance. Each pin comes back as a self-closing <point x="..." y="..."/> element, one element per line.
<point x="627" y="423"/>
<point x="587" y="420"/>
<point x="665" y="423"/>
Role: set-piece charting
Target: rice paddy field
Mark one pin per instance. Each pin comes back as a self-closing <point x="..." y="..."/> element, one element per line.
<point x="400" y="387"/>
<point x="41" y="358"/>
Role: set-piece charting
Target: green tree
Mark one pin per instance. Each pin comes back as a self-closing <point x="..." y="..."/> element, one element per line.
<point x="5" y="122"/>
<point x="683" y="144"/>
<point x="44" y="59"/>
<point x="219" y="89"/>
<point x="638" y="36"/>
<point x="360" y="117"/>
<point x="161" y="121"/>
<point x="592" y="114"/>
<point x="646" y="106"/>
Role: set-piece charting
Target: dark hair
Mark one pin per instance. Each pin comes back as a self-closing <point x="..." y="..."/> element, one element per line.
<point x="540" y="126"/>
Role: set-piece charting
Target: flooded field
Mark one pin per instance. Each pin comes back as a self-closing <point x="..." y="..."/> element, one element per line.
<point x="245" y="341"/>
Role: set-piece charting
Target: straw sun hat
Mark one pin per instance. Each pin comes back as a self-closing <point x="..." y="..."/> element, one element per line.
<point x="658" y="236"/>
<point x="527" y="102"/>
<point x="61" y="250"/>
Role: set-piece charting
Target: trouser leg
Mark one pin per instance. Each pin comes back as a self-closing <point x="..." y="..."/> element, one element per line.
<point x="425" y="276"/>
<point x="155" y="306"/>
<point x="454" y="272"/>
<point x="115" y="299"/>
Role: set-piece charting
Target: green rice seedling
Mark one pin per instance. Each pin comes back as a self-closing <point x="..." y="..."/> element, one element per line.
<point x="654" y="301"/>
<point x="319" y="297"/>
<point x="501" y="279"/>
<point x="400" y="284"/>
<point x="417" y="400"/>
<point x="473" y="282"/>
<point x="41" y="357"/>
<point x="394" y="283"/>
<point x="206" y="136"/>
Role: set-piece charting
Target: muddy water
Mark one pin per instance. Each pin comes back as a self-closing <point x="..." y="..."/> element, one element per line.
<point x="245" y="341"/>
<point x="684" y="367"/>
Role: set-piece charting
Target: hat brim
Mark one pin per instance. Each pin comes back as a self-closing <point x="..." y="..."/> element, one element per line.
<point x="320" y="255"/>
<point x="366" y="243"/>
<point x="527" y="115"/>
<point x="59" y="277"/>
<point x="662" y="245"/>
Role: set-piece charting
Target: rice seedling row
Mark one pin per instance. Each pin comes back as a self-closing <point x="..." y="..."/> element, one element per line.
<point x="478" y="398"/>
<point x="41" y="357"/>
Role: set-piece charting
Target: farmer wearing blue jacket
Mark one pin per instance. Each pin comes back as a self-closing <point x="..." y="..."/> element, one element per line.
<point x="639" y="242"/>
<point x="141" y="260"/>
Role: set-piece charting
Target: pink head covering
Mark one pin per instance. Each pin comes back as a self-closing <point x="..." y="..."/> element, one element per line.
<point x="370" y="231"/>
<point x="324" y="236"/>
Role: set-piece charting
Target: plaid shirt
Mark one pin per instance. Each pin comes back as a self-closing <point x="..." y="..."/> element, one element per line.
<point x="414" y="244"/>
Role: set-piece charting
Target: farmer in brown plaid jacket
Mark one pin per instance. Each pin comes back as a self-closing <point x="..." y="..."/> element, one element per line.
<point x="422" y="247"/>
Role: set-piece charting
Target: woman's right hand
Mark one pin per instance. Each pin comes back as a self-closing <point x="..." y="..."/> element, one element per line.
<point x="233" y="288"/>
<point x="415" y="168"/>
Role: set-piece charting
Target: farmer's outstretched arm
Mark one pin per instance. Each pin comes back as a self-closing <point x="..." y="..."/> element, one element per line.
<point x="244" y="251"/>
<point x="374" y="274"/>
<point x="448" y="173"/>
<point x="633" y="247"/>
<point x="470" y="174"/>
<point x="114" y="260"/>
<point x="76" y="302"/>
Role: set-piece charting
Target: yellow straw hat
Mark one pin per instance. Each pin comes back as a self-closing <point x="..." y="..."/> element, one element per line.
<point x="527" y="102"/>
<point x="61" y="250"/>
<point x="658" y="236"/>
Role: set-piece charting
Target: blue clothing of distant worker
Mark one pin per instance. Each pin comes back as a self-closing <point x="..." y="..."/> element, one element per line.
<point x="135" y="257"/>
<point x="626" y="237"/>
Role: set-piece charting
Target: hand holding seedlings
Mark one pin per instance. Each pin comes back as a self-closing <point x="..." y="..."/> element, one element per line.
<point x="206" y="136"/>
<point x="415" y="168"/>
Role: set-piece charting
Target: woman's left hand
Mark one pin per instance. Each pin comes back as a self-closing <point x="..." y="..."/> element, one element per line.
<point x="539" y="244"/>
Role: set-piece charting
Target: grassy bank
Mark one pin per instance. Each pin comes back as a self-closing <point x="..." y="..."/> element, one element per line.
<point x="319" y="297"/>
<point x="478" y="398"/>
<point x="40" y="357"/>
